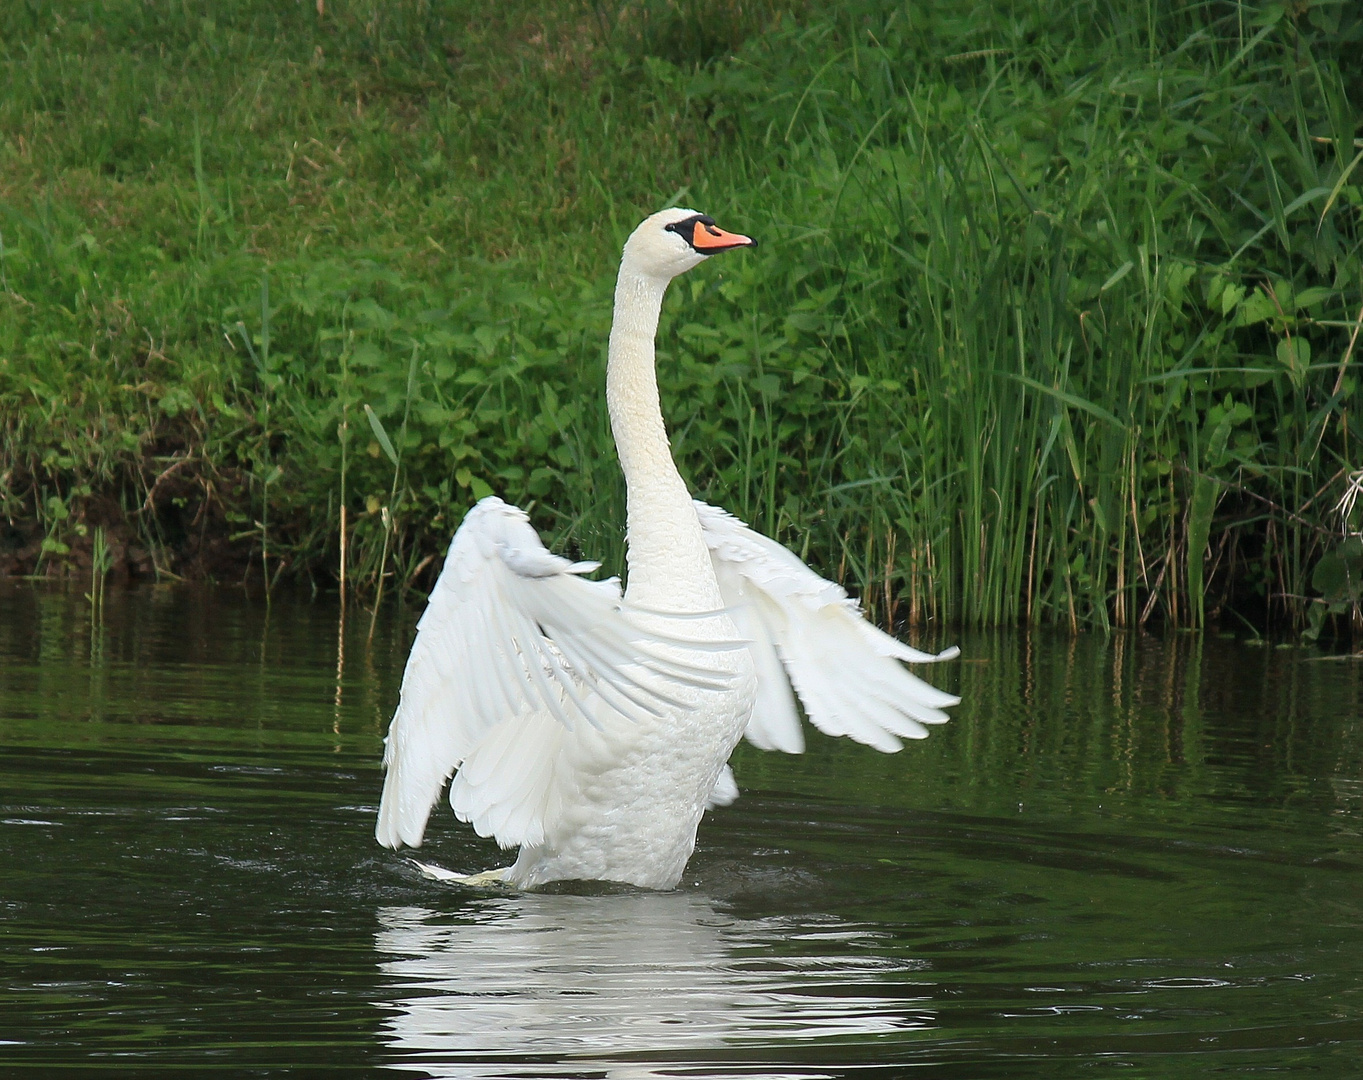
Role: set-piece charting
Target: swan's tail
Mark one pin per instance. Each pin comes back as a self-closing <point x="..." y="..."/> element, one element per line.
<point x="439" y="873"/>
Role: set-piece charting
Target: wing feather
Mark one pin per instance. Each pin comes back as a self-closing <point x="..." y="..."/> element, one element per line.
<point x="516" y="649"/>
<point x="805" y="632"/>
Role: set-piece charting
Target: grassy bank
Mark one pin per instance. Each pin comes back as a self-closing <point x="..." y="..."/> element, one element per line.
<point x="1054" y="317"/>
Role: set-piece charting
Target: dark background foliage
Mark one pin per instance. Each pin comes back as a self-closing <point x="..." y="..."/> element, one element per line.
<point x="1054" y="316"/>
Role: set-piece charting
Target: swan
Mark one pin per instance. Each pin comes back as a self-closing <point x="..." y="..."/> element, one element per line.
<point x="591" y="728"/>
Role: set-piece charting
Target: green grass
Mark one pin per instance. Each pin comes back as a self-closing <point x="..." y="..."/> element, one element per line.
<point x="1051" y="320"/>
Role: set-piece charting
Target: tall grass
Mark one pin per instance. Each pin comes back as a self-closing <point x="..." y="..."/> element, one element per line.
<point x="1050" y="322"/>
<point x="1067" y="301"/>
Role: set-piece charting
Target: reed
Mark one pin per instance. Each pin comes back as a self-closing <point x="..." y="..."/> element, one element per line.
<point x="394" y="454"/>
<point x="1069" y="363"/>
<point x="100" y="564"/>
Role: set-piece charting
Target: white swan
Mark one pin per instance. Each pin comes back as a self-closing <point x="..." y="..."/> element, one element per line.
<point x="592" y="730"/>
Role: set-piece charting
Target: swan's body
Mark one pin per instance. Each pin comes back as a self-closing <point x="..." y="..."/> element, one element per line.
<point x="592" y="729"/>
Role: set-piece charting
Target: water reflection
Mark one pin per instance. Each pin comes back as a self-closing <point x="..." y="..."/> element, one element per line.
<point x="629" y="984"/>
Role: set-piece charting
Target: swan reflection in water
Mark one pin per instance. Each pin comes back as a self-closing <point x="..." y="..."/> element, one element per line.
<point x="624" y="985"/>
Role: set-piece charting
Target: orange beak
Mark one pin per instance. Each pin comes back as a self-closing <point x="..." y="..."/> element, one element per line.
<point x="708" y="239"/>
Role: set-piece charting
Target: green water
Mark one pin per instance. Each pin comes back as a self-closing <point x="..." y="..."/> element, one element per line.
<point x="1138" y="857"/>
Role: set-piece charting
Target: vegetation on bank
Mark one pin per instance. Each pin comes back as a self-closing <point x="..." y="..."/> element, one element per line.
<point x="1055" y="318"/>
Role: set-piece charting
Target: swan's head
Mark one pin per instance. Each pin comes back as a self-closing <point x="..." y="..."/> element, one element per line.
<point x="673" y="241"/>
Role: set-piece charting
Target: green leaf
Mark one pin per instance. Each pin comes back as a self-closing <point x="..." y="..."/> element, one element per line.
<point x="1117" y="275"/>
<point x="1313" y="296"/>
<point x="1058" y="394"/>
<point x="381" y="435"/>
<point x="1315" y="621"/>
<point x="1200" y="512"/>
<point x="1295" y="355"/>
<point x="1216" y="445"/>
<point x="1256" y="308"/>
<point x="1329" y="578"/>
<point x="1339" y="185"/>
<point x="1338" y="576"/>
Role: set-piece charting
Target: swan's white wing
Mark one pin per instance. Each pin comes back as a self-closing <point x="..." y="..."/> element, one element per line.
<point x="803" y="627"/>
<point x="515" y="649"/>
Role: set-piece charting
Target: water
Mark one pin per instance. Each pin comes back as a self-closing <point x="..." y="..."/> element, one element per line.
<point x="1138" y="857"/>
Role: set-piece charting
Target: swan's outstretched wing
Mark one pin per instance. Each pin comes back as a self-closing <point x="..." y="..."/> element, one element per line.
<point x="515" y="648"/>
<point x="846" y="672"/>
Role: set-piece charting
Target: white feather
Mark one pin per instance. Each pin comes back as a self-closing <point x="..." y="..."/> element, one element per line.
<point x="725" y="792"/>
<point x="513" y="652"/>
<point x="846" y="672"/>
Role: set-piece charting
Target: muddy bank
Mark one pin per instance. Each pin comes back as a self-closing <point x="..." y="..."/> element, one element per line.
<point x="179" y="530"/>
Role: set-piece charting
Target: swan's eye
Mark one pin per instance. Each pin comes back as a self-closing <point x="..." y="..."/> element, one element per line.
<point x="705" y="237"/>
<point x="686" y="228"/>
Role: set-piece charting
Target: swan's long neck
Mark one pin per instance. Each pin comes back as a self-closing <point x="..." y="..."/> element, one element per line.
<point x="669" y="564"/>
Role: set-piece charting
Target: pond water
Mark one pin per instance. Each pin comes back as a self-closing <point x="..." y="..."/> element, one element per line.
<point x="1137" y="856"/>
